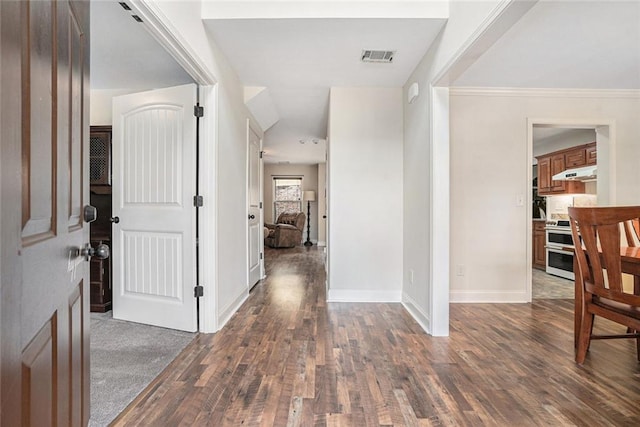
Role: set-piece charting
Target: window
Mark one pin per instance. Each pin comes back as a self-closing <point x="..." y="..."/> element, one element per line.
<point x="287" y="196"/>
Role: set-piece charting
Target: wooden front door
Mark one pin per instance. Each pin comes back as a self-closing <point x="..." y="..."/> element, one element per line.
<point x="44" y="135"/>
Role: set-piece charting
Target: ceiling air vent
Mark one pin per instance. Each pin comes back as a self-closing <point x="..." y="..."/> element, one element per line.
<point x="378" y="56"/>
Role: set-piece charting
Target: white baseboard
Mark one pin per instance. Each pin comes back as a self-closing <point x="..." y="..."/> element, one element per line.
<point x="488" y="297"/>
<point x="231" y="309"/>
<point x="417" y="313"/>
<point x="322" y="243"/>
<point x="353" y="295"/>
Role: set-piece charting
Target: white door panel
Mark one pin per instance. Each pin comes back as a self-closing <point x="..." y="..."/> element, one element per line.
<point x="154" y="179"/>
<point x="253" y="202"/>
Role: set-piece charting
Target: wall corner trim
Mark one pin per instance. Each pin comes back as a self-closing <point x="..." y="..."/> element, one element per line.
<point x="416" y="312"/>
<point x="232" y="308"/>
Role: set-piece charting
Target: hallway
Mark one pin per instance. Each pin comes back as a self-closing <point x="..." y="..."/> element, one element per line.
<point x="289" y="358"/>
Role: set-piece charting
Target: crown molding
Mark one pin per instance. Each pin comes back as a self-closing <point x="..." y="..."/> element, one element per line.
<point x="545" y="92"/>
<point x="161" y="28"/>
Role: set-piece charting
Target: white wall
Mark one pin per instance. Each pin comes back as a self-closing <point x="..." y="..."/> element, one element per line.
<point x="225" y="278"/>
<point x="365" y="165"/>
<point x="489" y="165"/>
<point x="309" y="174"/>
<point x="100" y="109"/>
<point x="464" y="20"/>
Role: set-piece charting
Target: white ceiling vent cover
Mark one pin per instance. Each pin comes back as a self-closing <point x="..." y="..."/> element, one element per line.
<point x="385" y="56"/>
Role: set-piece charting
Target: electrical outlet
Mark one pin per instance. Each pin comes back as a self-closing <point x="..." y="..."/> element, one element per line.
<point x="459" y="270"/>
<point x="411" y="276"/>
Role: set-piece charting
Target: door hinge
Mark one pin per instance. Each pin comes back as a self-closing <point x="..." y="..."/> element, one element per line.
<point x="260" y="255"/>
<point x="198" y="291"/>
<point x="198" y="111"/>
<point x="198" y="201"/>
<point x="260" y="205"/>
<point x="261" y="153"/>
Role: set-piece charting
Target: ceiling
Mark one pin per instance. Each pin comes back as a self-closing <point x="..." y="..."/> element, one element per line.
<point x="565" y="44"/>
<point x="129" y="57"/>
<point x="544" y="134"/>
<point x="299" y="60"/>
<point x="560" y="44"/>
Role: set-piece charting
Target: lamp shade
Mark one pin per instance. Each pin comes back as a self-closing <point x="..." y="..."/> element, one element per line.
<point x="309" y="196"/>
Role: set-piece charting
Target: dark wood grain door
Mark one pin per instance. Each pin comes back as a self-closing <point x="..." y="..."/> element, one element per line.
<point x="45" y="297"/>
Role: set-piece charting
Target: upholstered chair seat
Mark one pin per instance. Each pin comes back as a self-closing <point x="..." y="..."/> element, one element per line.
<point x="286" y="232"/>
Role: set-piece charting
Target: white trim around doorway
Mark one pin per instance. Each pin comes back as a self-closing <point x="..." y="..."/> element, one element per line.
<point x="162" y="30"/>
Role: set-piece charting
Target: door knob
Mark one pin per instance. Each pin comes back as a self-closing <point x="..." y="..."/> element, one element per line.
<point x="252" y="216"/>
<point x="101" y="251"/>
<point x="114" y="219"/>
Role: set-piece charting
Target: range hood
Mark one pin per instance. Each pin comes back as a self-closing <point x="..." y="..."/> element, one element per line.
<point x="587" y="173"/>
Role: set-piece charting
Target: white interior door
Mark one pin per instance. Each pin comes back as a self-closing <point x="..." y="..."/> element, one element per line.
<point x="154" y="163"/>
<point x="253" y="203"/>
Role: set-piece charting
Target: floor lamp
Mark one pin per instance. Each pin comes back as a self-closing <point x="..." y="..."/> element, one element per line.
<point x="309" y="196"/>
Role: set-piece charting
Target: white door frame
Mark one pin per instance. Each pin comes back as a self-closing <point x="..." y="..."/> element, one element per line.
<point x="439" y="226"/>
<point x="208" y="245"/>
<point x="605" y="144"/>
<point x="263" y="273"/>
<point x="503" y="16"/>
<point x="162" y="30"/>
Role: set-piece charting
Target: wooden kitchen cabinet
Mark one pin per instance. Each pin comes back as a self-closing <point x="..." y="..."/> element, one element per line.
<point x="559" y="161"/>
<point x="591" y="154"/>
<point x="544" y="174"/>
<point x="539" y="242"/>
<point x="557" y="166"/>
<point x="576" y="158"/>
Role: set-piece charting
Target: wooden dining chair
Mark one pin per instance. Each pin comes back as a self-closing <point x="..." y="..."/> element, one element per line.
<point x="597" y="233"/>
<point x="632" y="232"/>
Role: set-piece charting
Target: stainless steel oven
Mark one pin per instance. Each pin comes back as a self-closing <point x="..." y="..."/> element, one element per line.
<point x="559" y="245"/>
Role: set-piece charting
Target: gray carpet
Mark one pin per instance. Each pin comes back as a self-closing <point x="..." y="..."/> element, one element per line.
<point x="125" y="358"/>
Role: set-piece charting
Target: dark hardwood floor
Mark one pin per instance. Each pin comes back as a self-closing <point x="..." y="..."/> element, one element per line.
<point x="288" y="358"/>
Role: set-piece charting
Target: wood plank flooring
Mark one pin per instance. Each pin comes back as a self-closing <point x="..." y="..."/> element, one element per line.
<point x="288" y="358"/>
<point x="548" y="286"/>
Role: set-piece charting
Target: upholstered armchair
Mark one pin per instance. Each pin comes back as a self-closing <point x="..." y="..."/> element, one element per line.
<point x="286" y="232"/>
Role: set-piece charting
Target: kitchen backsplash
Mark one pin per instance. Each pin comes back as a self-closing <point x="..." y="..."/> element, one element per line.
<point x="557" y="206"/>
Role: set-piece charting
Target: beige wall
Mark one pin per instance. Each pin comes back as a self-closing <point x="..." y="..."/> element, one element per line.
<point x="489" y="166"/>
<point x="309" y="174"/>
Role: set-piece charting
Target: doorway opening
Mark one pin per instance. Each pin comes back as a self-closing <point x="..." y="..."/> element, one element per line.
<point x="556" y="146"/>
<point x="143" y="66"/>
